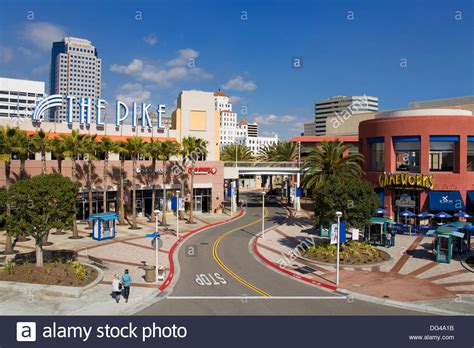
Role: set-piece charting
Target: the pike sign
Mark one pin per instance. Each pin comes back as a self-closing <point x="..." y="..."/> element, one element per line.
<point x="85" y="108"/>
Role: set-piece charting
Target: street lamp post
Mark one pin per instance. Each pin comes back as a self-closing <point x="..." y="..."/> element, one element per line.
<point x="177" y="213"/>
<point x="263" y="214"/>
<point x="338" y="214"/>
<point x="157" y="212"/>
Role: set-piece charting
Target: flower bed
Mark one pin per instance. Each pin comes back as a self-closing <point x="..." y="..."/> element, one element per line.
<point x="70" y="273"/>
<point x="350" y="253"/>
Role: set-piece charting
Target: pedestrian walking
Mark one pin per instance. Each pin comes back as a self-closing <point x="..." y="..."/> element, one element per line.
<point x="116" y="285"/>
<point x="126" y="281"/>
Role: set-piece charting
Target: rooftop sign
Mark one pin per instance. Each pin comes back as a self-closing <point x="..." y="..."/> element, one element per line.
<point x="85" y="107"/>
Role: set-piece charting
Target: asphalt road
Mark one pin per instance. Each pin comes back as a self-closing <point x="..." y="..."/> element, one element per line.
<point x="217" y="263"/>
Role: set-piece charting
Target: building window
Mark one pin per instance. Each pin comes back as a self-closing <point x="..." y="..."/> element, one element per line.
<point x="442" y="153"/>
<point x="470" y="155"/>
<point x="378" y="156"/>
<point x="407" y="154"/>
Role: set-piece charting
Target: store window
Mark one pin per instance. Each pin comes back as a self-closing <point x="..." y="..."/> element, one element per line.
<point x="407" y="154"/>
<point x="470" y="154"/>
<point x="378" y="154"/>
<point x="442" y="153"/>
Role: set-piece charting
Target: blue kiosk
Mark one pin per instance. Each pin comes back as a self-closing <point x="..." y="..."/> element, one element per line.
<point x="103" y="225"/>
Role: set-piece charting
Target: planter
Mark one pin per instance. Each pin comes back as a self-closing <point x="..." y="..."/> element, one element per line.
<point x="53" y="290"/>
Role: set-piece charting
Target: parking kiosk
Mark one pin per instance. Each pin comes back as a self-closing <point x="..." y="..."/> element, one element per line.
<point x="377" y="232"/>
<point x="103" y="225"/>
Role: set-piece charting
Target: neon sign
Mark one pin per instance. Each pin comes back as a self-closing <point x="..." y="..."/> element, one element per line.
<point x="420" y="181"/>
<point x="85" y="107"/>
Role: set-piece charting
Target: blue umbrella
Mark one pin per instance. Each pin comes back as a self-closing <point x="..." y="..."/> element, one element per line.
<point x="381" y="211"/>
<point x="407" y="213"/>
<point x="442" y="215"/>
<point x="424" y="215"/>
<point x="462" y="214"/>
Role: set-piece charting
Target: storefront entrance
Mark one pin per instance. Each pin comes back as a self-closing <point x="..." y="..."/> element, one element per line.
<point x="82" y="206"/>
<point x="202" y="200"/>
<point x="405" y="199"/>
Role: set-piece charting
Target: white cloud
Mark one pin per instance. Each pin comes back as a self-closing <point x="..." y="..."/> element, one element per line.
<point x="273" y="119"/>
<point x="151" y="39"/>
<point x="26" y="52"/>
<point x="239" y="84"/>
<point x="133" y="92"/>
<point x="6" y="54"/>
<point x="43" y="34"/>
<point x="235" y="99"/>
<point x="176" y="69"/>
<point x="186" y="56"/>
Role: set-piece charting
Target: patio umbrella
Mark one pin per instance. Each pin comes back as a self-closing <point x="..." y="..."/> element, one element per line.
<point x="406" y="213"/>
<point x="424" y="215"/>
<point x="381" y="211"/>
<point x="462" y="214"/>
<point x="442" y="215"/>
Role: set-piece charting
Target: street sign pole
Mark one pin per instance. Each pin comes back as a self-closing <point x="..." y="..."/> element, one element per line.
<point x="177" y="214"/>
<point x="157" y="212"/>
<point x="263" y="216"/>
<point x="338" y="214"/>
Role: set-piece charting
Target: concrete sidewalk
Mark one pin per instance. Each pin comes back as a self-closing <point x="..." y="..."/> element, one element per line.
<point x="130" y="249"/>
<point x="411" y="277"/>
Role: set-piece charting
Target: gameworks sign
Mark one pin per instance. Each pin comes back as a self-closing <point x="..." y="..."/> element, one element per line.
<point x="85" y="109"/>
<point x="406" y="180"/>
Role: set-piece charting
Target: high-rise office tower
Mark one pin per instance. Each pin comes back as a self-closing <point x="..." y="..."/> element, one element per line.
<point x="75" y="71"/>
<point x="344" y="106"/>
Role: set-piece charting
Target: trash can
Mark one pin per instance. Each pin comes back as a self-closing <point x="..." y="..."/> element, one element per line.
<point x="149" y="274"/>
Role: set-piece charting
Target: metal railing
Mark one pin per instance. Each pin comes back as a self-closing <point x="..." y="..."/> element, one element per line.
<point x="261" y="164"/>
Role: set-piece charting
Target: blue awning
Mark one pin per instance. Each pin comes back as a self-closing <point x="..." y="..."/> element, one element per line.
<point x="470" y="138"/>
<point x="375" y="140"/>
<point x="405" y="139"/>
<point x="470" y="200"/>
<point x="444" y="138"/>
<point x="446" y="200"/>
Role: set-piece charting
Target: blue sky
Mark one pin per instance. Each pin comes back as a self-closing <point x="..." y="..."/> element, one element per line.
<point x="247" y="48"/>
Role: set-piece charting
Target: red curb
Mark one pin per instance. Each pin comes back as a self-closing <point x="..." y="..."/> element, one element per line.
<point x="175" y="245"/>
<point x="292" y="274"/>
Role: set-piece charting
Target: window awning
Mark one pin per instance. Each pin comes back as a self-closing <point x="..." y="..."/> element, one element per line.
<point x="470" y="200"/>
<point x="446" y="201"/>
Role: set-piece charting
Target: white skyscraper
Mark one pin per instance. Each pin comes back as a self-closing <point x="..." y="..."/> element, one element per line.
<point x="242" y="133"/>
<point x="19" y="97"/>
<point x="75" y="71"/>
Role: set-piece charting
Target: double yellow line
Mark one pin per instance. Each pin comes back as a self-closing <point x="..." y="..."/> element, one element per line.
<point x="227" y="269"/>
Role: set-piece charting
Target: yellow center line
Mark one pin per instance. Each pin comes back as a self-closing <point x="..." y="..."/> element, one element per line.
<point x="223" y="265"/>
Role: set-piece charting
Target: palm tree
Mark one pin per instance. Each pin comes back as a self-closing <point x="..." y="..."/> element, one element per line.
<point x="90" y="150"/>
<point x="153" y="150"/>
<point x="267" y="153"/>
<point x="120" y="148"/>
<point x="23" y="148"/>
<point x="168" y="149"/>
<point x="74" y="147"/>
<point x="40" y="141"/>
<point x="235" y="153"/>
<point x="194" y="149"/>
<point x="328" y="160"/>
<point x="135" y="147"/>
<point x="105" y="147"/>
<point x="8" y="144"/>
<point x="286" y="151"/>
<point x="57" y="148"/>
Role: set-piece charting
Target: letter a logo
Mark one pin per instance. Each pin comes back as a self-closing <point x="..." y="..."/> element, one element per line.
<point x="26" y="332"/>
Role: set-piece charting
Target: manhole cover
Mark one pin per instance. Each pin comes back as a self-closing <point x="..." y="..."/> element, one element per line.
<point x="386" y="296"/>
<point x="204" y="243"/>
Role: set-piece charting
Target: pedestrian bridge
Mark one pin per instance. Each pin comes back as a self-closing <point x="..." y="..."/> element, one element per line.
<point x="232" y="170"/>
